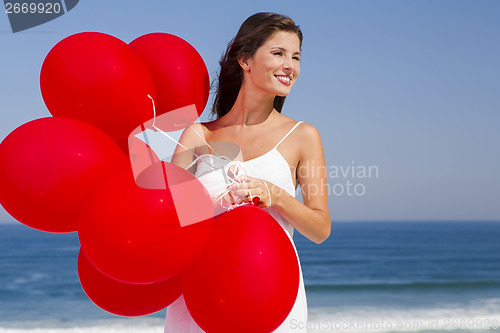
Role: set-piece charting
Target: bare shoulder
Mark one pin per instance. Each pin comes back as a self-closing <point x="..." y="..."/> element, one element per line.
<point x="208" y="127"/>
<point x="284" y="123"/>
<point x="304" y="133"/>
<point x="308" y="132"/>
<point x="193" y="135"/>
<point x="309" y="141"/>
<point x="197" y="130"/>
<point x="198" y="127"/>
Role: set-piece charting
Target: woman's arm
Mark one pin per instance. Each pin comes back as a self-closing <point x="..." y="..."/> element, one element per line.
<point x="312" y="218"/>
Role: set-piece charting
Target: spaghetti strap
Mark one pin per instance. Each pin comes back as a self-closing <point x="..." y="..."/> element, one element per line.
<point x="297" y="124"/>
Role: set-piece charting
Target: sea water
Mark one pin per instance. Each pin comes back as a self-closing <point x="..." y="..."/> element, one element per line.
<point x="367" y="277"/>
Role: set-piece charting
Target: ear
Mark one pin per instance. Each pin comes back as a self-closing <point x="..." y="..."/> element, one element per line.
<point x="244" y="63"/>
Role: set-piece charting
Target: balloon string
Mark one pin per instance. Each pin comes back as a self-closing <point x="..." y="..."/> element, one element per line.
<point x="159" y="130"/>
<point x="237" y="170"/>
<point x="231" y="180"/>
<point x="168" y="136"/>
<point x="154" y="109"/>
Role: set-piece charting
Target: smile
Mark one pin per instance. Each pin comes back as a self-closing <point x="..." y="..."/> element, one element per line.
<point x="284" y="79"/>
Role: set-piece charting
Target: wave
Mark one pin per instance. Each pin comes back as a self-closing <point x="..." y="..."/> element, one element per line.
<point x="478" y="316"/>
<point x="115" y="325"/>
<point x="93" y="329"/>
<point x="404" y="286"/>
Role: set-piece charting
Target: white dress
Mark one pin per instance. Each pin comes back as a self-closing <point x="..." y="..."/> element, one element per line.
<point x="273" y="168"/>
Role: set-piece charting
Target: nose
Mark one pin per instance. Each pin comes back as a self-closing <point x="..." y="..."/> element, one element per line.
<point x="288" y="65"/>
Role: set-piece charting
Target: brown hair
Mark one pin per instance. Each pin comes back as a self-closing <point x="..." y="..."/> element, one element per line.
<point x="252" y="34"/>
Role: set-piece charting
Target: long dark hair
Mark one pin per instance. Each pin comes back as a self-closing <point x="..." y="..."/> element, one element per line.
<point x="252" y="34"/>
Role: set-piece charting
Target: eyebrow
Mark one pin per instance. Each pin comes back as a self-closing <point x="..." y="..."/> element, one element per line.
<point x="282" y="49"/>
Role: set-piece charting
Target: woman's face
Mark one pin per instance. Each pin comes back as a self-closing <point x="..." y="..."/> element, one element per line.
<point x="275" y="66"/>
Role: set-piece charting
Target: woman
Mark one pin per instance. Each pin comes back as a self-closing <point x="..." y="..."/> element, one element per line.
<point x="274" y="153"/>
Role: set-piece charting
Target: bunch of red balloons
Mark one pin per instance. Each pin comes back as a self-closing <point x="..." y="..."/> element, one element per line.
<point x="141" y="245"/>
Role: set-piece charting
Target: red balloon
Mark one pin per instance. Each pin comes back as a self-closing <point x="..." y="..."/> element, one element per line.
<point x="48" y="166"/>
<point x="125" y="299"/>
<point x="180" y="76"/>
<point x="247" y="277"/>
<point x="134" y="235"/>
<point x="99" y="79"/>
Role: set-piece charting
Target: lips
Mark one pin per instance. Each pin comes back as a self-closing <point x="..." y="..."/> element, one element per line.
<point x="286" y="80"/>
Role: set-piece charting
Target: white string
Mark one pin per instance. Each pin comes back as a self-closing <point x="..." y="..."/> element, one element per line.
<point x="176" y="125"/>
<point x="240" y="170"/>
<point x="207" y="143"/>
<point x="268" y="193"/>
<point x="159" y="130"/>
<point x="177" y="142"/>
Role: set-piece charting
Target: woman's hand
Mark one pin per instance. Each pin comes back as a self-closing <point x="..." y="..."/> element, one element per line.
<point x="256" y="191"/>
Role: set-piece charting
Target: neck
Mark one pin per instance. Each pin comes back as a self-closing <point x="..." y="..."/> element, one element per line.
<point x="251" y="107"/>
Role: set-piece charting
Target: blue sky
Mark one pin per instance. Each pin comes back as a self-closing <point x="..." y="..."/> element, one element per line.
<point x="408" y="88"/>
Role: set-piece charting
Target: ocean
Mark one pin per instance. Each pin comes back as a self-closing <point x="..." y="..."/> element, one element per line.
<point x="367" y="277"/>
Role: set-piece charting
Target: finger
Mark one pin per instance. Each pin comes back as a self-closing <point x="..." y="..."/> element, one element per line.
<point x="233" y="198"/>
<point x="245" y="179"/>
<point x="240" y="193"/>
<point x="239" y="179"/>
<point x="251" y="201"/>
<point x="238" y="200"/>
<point x="247" y="185"/>
<point x="240" y="186"/>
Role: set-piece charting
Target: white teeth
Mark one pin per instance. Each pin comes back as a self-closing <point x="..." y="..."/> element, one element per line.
<point x="283" y="78"/>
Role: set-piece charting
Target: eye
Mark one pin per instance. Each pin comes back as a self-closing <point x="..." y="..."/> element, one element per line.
<point x="278" y="53"/>
<point x="296" y="58"/>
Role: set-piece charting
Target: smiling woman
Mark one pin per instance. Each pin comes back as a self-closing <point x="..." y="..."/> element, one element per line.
<point x="257" y="72"/>
<point x="275" y="66"/>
